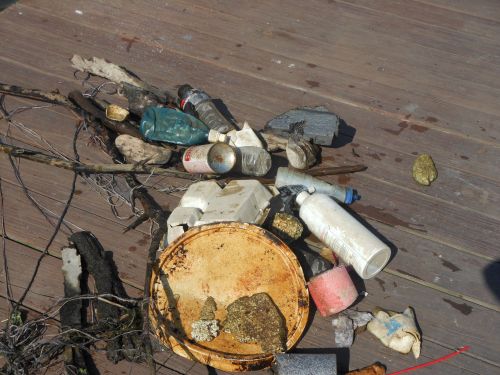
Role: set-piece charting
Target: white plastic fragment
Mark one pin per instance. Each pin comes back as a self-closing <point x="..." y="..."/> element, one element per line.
<point x="244" y="137"/>
<point x="184" y="216"/>
<point x="199" y="194"/>
<point x="173" y="233"/>
<point x="242" y="201"/>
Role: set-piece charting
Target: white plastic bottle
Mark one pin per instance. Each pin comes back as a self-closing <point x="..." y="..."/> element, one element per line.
<point x="341" y="232"/>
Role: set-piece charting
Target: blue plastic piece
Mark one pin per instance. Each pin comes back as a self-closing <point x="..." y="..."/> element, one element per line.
<point x="351" y="195"/>
<point x="168" y="125"/>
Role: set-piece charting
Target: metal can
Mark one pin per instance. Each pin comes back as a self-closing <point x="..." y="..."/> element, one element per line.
<point x="217" y="158"/>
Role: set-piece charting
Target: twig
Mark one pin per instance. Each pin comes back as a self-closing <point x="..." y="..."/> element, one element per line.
<point x="156" y="213"/>
<point x="92" y="168"/>
<point x="34" y="94"/>
<point x="88" y="106"/>
<point x="328" y="171"/>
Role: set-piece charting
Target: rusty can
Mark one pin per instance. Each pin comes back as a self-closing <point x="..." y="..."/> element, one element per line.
<point x="215" y="158"/>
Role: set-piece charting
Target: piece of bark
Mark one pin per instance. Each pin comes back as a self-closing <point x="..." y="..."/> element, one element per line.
<point x="375" y="369"/>
<point x="103" y="270"/>
<point x="102" y="68"/>
<point x="153" y="211"/>
<point x="88" y="106"/>
<point x="122" y="76"/>
<point x="48" y="97"/>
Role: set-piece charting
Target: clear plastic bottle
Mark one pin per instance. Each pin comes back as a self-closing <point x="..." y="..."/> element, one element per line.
<point x="169" y="125"/>
<point x="253" y="161"/>
<point x="204" y="108"/>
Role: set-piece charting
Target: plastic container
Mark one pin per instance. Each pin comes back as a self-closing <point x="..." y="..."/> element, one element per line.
<point x="253" y="161"/>
<point x="225" y="261"/>
<point x="172" y="126"/>
<point x="288" y="177"/>
<point x="204" y="108"/>
<point x="218" y="158"/>
<point x="241" y="201"/>
<point x="341" y="232"/>
<point x="199" y="194"/>
<point x="244" y="137"/>
<point x="332" y="291"/>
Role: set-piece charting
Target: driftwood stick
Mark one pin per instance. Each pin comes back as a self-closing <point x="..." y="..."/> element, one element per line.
<point x="34" y="94"/>
<point x="117" y="74"/>
<point x="92" y="168"/>
<point x="155" y="212"/>
<point x="328" y="171"/>
<point x="89" y="107"/>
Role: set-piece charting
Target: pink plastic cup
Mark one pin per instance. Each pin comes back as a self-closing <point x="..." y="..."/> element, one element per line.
<point x="332" y="291"/>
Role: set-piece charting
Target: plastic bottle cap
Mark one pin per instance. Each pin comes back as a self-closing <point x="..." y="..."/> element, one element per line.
<point x="301" y="197"/>
<point x="214" y="136"/>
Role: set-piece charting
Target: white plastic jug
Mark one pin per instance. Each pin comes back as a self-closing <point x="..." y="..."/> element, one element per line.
<point x="341" y="232"/>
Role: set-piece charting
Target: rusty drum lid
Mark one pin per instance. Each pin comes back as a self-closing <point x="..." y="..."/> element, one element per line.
<point x="225" y="261"/>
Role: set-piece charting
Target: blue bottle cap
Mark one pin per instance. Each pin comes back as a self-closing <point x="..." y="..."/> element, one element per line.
<point x="351" y="195"/>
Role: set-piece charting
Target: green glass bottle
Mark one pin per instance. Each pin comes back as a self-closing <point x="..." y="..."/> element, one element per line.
<point x="172" y="126"/>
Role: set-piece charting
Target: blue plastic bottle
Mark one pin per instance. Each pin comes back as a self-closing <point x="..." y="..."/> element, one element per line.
<point x="168" y="125"/>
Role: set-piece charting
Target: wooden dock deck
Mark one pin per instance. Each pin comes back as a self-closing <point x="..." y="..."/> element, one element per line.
<point x="407" y="77"/>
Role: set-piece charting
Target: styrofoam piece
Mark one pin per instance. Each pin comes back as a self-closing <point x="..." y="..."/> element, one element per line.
<point x="173" y="233"/>
<point x="199" y="194"/>
<point x="241" y="200"/>
<point x="184" y="215"/>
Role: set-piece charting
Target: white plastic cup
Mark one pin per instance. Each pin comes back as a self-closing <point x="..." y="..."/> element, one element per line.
<point x="341" y="232"/>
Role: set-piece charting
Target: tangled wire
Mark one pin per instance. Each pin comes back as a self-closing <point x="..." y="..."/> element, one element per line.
<point x="27" y="347"/>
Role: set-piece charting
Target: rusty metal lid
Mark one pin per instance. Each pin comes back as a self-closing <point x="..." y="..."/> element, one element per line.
<point x="225" y="261"/>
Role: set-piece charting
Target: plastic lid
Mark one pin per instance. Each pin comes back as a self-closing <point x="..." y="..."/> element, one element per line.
<point x="214" y="136"/>
<point x="301" y="197"/>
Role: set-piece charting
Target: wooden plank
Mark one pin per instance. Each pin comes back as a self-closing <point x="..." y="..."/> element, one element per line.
<point x="405" y="141"/>
<point x="368" y="92"/>
<point x="485" y="9"/>
<point x="435" y="15"/>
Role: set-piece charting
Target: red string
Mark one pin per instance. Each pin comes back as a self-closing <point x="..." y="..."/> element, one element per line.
<point x="433" y="362"/>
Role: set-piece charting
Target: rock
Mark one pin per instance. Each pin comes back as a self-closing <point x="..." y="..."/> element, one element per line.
<point x="204" y="330"/>
<point x="424" y="170"/>
<point x="301" y="154"/>
<point x="137" y="151"/>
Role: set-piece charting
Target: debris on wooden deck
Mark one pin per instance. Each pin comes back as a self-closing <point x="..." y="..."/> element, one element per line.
<point x="398" y="79"/>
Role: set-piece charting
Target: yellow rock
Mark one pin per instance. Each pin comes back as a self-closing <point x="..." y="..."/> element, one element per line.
<point x="424" y="170"/>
